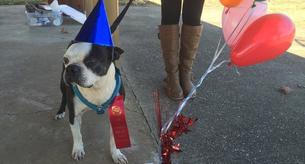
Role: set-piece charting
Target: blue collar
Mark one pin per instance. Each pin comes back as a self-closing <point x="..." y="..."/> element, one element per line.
<point x="100" y="109"/>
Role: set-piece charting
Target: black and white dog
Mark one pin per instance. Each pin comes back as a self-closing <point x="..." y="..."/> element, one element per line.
<point x="92" y="68"/>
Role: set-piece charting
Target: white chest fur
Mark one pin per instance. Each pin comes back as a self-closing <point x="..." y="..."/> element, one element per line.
<point x="99" y="93"/>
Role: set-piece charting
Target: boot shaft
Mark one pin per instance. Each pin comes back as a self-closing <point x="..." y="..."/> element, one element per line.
<point x="169" y="39"/>
<point x="190" y="39"/>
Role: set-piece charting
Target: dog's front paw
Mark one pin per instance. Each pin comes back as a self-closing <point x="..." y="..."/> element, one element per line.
<point x="59" y="116"/>
<point x="78" y="153"/>
<point x="118" y="157"/>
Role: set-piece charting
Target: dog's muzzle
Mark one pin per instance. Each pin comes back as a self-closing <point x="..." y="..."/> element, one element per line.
<point x="73" y="74"/>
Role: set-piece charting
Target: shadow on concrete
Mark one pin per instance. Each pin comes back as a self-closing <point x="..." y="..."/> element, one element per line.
<point x="242" y="119"/>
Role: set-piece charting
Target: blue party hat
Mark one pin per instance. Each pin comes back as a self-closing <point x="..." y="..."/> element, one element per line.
<point x="96" y="28"/>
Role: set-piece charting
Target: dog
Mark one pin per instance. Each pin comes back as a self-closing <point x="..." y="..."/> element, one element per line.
<point x="92" y="68"/>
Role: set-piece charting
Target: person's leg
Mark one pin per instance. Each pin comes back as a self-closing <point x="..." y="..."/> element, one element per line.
<point x="169" y="38"/>
<point x="190" y="38"/>
<point x="170" y="12"/>
<point x="191" y="12"/>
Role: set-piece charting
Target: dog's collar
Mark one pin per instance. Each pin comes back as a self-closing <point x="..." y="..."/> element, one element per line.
<point x="100" y="109"/>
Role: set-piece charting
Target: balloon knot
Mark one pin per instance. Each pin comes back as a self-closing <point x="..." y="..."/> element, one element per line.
<point x="226" y="12"/>
<point x="230" y="64"/>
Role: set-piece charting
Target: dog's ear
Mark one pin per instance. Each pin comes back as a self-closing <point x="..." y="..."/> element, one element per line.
<point x="117" y="53"/>
<point x="71" y="42"/>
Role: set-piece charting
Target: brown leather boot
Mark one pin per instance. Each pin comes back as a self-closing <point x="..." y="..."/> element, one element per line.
<point x="190" y="38"/>
<point x="169" y="37"/>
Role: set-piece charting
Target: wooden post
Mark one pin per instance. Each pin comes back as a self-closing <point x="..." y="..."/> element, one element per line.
<point x="112" y="7"/>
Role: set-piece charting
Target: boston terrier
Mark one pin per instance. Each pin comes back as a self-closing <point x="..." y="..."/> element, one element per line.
<point x="90" y="67"/>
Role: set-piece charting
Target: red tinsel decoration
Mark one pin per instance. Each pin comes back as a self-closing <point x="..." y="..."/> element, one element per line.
<point x="168" y="146"/>
<point x="156" y="95"/>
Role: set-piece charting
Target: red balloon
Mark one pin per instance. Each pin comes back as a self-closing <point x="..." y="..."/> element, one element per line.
<point x="265" y="39"/>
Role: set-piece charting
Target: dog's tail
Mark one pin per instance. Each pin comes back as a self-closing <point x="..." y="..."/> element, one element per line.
<point x="118" y="20"/>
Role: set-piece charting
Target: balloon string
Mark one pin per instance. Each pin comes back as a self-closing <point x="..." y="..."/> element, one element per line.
<point x="226" y="12"/>
<point x="236" y="70"/>
<point x="250" y="15"/>
<point x="235" y="28"/>
<point x="212" y="67"/>
<point x="239" y="22"/>
<point x="244" y="25"/>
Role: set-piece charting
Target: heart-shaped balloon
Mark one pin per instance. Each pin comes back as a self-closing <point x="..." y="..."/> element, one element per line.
<point x="265" y="39"/>
<point x="240" y="17"/>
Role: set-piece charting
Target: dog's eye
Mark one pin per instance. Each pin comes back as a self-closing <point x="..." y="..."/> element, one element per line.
<point x="90" y="63"/>
<point x="66" y="60"/>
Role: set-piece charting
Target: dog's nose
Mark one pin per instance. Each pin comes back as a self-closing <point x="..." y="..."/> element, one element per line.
<point x="73" y="69"/>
